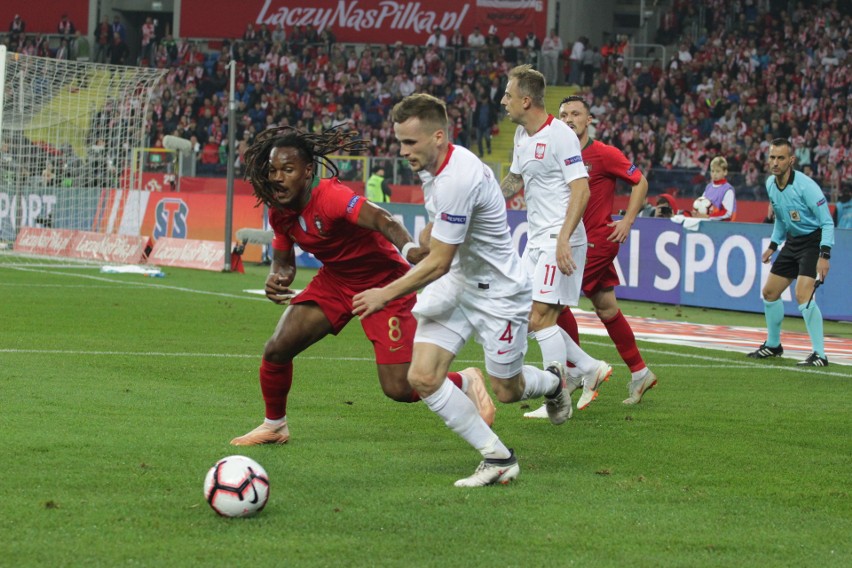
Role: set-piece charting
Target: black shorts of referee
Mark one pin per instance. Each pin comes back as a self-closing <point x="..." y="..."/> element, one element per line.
<point x="798" y="257"/>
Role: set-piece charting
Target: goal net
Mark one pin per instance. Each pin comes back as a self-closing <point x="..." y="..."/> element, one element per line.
<point x="67" y="134"/>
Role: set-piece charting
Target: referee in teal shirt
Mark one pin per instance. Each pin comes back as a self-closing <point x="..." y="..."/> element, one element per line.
<point x="802" y="219"/>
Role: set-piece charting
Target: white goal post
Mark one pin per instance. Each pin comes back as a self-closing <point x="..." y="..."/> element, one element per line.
<point x="2" y="80"/>
<point x="67" y="134"/>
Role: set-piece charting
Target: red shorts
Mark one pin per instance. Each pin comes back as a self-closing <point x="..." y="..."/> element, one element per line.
<point x="600" y="270"/>
<point x="391" y="330"/>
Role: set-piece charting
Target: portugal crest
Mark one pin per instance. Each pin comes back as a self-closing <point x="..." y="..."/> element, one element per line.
<point x="318" y="224"/>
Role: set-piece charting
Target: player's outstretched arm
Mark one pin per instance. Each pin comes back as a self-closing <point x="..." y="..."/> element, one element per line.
<point x="375" y="218"/>
<point x="436" y="264"/>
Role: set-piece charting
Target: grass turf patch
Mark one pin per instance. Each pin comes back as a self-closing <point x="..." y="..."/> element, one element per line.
<point x="119" y="392"/>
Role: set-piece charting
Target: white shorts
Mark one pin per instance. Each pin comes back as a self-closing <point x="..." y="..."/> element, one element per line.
<point x="550" y="286"/>
<point x="449" y="313"/>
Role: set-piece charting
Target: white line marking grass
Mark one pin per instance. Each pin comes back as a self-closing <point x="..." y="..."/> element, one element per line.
<point x="718" y="362"/>
<point x="254" y="298"/>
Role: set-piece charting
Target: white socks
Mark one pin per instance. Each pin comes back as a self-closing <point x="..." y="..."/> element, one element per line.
<point x="581" y="360"/>
<point x="459" y="413"/>
<point x="538" y="383"/>
<point x="557" y="345"/>
<point x="552" y="344"/>
<point x="639" y="375"/>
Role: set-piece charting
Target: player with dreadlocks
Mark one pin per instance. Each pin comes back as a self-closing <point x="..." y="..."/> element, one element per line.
<point x="360" y="245"/>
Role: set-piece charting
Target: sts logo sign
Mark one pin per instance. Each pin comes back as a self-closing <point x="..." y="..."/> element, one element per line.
<point x="170" y="218"/>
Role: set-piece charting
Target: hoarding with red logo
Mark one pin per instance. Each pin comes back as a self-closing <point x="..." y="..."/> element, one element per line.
<point x="364" y="21"/>
<point x="199" y="216"/>
<point x="126" y="249"/>
<point x="188" y="253"/>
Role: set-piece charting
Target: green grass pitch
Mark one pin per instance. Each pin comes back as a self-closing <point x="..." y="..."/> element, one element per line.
<point x="118" y="392"/>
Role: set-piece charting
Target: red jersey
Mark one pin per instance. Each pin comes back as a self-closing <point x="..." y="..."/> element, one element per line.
<point x="605" y="164"/>
<point x="327" y="228"/>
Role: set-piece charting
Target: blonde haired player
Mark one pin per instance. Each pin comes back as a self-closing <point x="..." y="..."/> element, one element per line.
<point x="547" y="164"/>
<point x="606" y="164"/>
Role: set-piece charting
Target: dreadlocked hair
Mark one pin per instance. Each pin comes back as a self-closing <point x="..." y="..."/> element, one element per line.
<point x="313" y="147"/>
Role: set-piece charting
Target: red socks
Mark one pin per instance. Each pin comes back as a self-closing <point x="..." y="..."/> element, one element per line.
<point x="456" y="379"/>
<point x="567" y="322"/>
<point x="275" y="383"/>
<point x="276" y="380"/>
<point x="619" y="331"/>
<point x="622" y="336"/>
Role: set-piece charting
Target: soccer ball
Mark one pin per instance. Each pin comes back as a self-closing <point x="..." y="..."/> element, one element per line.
<point x="702" y="205"/>
<point x="236" y="486"/>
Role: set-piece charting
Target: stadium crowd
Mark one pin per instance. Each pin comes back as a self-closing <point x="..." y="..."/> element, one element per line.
<point x="740" y="75"/>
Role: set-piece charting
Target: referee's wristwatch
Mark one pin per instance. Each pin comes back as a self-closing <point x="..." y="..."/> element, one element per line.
<point x="824" y="254"/>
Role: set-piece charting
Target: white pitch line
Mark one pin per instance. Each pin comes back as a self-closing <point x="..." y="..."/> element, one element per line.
<point x="63" y="286"/>
<point x="725" y="363"/>
<point x="148" y="285"/>
<point x="255" y="298"/>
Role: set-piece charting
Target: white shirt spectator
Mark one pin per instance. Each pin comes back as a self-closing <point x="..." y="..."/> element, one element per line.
<point x="406" y="86"/>
<point x="577" y="51"/>
<point x="437" y="38"/>
<point x="552" y="44"/>
<point x="475" y="39"/>
<point x="598" y="108"/>
<point x="551" y="47"/>
<point x="418" y="65"/>
<point x="512" y="41"/>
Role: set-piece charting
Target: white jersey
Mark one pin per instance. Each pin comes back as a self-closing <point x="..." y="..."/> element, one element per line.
<point x="467" y="207"/>
<point x="548" y="160"/>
